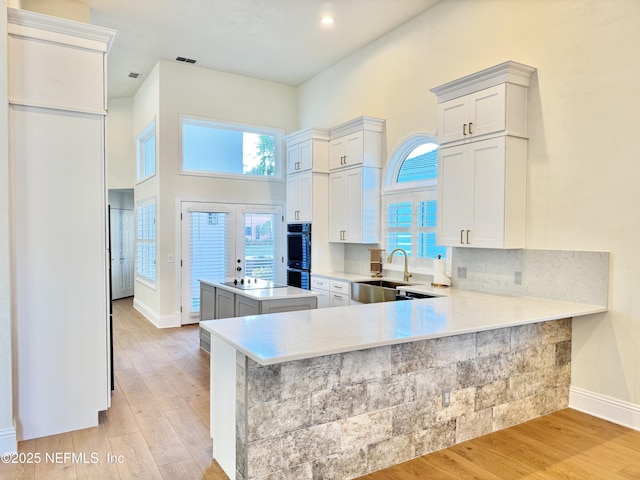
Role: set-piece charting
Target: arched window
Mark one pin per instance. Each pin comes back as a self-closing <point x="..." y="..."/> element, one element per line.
<point x="410" y="199"/>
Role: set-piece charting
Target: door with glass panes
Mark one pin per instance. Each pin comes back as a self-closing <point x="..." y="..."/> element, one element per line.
<point x="225" y="241"/>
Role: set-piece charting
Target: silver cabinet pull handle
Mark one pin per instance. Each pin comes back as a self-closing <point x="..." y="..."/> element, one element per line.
<point x="464" y="129"/>
<point x="468" y="236"/>
<point x="470" y="132"/>
<point x="461" y="234"/>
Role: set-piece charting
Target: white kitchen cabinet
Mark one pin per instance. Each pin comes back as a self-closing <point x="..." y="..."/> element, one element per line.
<point x="354" y="205"/>
<point x="57" y="113"/>
<point x="488" y="103"/>
<point x="482" y="194"/>
<point x="356" y="143"/>
<point x="307" y="167"/>
<point x="300" y="197"/>
<point x="331" y="292"/>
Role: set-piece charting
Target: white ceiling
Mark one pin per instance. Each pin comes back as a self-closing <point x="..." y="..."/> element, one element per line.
<point x="277" y="40"/>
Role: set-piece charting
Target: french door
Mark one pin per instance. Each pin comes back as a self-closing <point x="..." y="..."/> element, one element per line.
<point x="224" y="241"/>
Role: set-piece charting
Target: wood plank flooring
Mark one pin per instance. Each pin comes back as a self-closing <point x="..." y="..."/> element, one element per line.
<point x="158" y="428"/>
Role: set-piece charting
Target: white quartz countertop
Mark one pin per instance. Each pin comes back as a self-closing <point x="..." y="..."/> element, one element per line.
<point x="264" y="293"/>
<point x="276" y="338"/>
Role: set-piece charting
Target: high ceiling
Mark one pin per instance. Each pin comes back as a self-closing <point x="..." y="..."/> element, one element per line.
<point x="278" y="40"/>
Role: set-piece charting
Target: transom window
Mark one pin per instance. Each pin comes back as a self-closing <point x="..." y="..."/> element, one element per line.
<point x="215" y="148"/>
<point x="410" y="201"/>
<point x="146" y="241"/>
<point x="146" y="153"/>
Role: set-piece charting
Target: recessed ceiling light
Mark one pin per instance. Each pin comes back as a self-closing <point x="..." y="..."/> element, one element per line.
<point x="327" y="20"/>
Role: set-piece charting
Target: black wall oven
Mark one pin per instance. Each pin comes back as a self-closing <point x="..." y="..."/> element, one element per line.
<point x="299" y="255"/>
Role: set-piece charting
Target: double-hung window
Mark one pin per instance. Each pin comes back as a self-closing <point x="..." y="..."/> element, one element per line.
<point x="410" y="201"/>
<point x="216" y="148"/>
<point x="146" y="241"/>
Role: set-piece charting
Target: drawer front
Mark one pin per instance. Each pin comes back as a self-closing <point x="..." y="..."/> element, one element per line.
<point x="320" y="283"/>
<point x="338" y="286"/>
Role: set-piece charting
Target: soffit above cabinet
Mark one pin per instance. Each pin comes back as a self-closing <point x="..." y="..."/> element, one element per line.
<point x="507" y="72"/>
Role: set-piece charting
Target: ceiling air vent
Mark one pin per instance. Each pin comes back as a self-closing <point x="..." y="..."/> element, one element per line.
<point x="185" y="59"/>
<point x="133" y="75"/>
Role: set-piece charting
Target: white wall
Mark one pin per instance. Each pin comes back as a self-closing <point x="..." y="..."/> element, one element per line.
<point x="7" y="428"/>
<point x="121" y="147"/>
<point x="583" y="158"/>
<point x="190" y="90"/>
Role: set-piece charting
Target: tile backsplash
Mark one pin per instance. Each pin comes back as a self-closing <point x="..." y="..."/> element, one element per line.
<point x="572" y="276"/>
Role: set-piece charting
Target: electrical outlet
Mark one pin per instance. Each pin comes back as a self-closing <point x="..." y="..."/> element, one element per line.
<point x="446" y="398"/>
<point x="462" y="272"/>
<point x="517" y="278"/>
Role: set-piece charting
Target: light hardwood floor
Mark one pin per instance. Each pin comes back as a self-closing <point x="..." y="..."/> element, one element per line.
<point x="158" y="426"/>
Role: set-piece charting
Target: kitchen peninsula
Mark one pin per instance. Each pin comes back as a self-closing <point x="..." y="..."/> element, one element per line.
<point x="338" y="393"/>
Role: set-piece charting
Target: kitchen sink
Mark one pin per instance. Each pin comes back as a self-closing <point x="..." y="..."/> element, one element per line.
<point x="375" y="291"/>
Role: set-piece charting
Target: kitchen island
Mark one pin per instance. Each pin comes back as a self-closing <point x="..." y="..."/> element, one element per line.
<point x="338" y="393"/>
<point x="255" y="297"/>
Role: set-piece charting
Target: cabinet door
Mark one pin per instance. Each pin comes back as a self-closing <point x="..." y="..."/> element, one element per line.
<point x="353" y="205"/>
<point x="339" y="300"/>
<point x="354" y="149"/>
<point x="246" y="306"/>
<point x="452" y="115"/>
<point x="487" y="220"/>
<point x="293" y="196"/>
<point x="305" y="196"/>
<point x="207" y="302"/>
<point x="305" y="155"/>
<point x="487" y="111"/>
<point x="293" y="158"/>
<point x="323" y="298"/>
<point x="454" y="195"/>
<point x="337" y="151"/>
<point x="225" y="304"/>
<point x="337" y="213"/>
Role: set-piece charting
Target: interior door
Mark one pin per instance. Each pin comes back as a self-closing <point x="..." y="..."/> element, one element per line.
<point x="121" y="230"/>
<point x="225" y="241"/>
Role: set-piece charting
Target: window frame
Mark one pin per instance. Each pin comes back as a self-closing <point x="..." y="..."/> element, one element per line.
<point x="237" y="127"/>
<point x="141" y="152"/>
<point x="143" y="205"/>
<point x="416" y="191"/>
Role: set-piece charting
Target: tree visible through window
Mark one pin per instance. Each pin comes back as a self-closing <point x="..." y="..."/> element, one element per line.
<point x="214" y="148"/>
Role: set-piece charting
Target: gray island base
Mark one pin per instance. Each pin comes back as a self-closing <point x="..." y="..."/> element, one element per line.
<point x="344" y="415"/>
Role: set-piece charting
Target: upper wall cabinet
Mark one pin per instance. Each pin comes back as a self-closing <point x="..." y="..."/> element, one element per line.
<point x="482" y="127"/>
<point x="356" y="143"/>
<point x="308" y="150"/>
<point x="488" y="103"/>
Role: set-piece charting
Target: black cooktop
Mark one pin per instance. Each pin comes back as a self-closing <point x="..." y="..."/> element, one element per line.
<point x="250" y="283"/>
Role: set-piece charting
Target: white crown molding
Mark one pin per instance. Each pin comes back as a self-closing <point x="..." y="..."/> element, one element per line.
<point x="507" y="72"/>
<point x="370" y="124"/>
<point x="311" y="133"/>
<point x="23" y="20"/>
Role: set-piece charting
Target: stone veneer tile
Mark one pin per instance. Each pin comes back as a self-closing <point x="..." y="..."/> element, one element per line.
<point x="461" y="401"/>
<point x="410" y="357"/>
<point x="299" y="472"/>
<point x="563" y="353"/>
<point x="433" y="381"/>
<point x="525" y="335"/>
<point x="362" y="430"/>
<point x="390" y="391"/>
<point x="415" y="415"/>
<point x="347" y="464"/>
<point x="474" y="424"/>
<point x="492" y="394"/>
<point x="363" y="365"/>
<point x="481" y="370"/>
<point x="455" y="349"/>
<point x="275" y="418"/>
<point x="390" y="452"/>
<point x="310" y="375"/>
<point x="264" y="457"/>
<point x="493" y="342"/>
<point x="435" y="437"/>
<point x="337" y="403"/>
<point x="305" y="445"/>
<point x="532" y="358"/>
<point x="518" y="411"/>
<point x="557" y="331"/>
<point x="264" y="385"/>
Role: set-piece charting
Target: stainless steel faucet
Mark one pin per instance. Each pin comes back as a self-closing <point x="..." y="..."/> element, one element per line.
<point x="407" y="275"/>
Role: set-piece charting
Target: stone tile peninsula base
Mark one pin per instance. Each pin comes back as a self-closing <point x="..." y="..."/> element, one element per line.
<point x="345" y="415"/>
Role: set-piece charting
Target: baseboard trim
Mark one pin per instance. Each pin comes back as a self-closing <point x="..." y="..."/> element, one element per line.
<point x="159" y="321"/>
<point x="8" y="440"/>
<point x="617" y="411"/>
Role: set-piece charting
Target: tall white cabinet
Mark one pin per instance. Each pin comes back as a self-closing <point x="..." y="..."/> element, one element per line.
<point x="482" y="162"/>
<point x="57" y="97"/>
